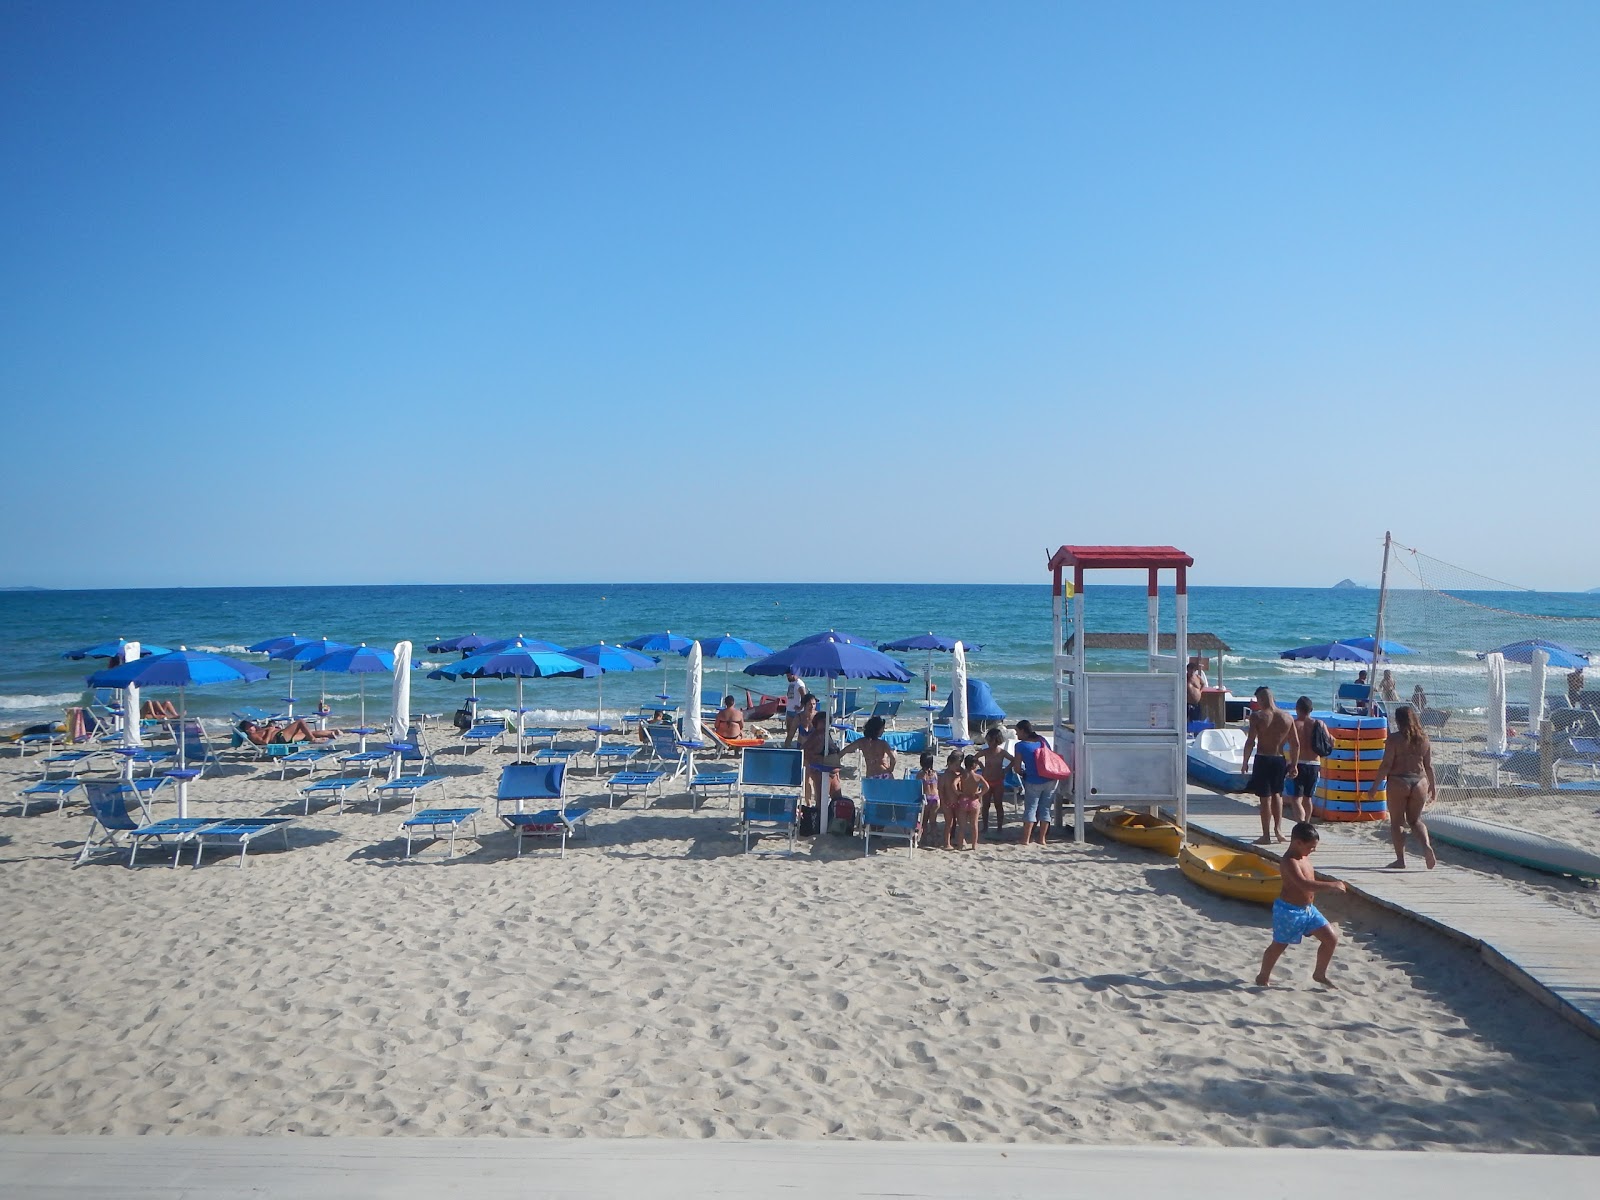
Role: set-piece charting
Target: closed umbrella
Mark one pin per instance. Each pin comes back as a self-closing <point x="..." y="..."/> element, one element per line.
<point x="1536" y="690"/>
<point x="181" y="668"/>
<point x="400" y="701"/>
<point x="958" y="697"/>
<point x="691" y="714"/>
<point x="130" y="710"/>
<point x="1496" y="663"/>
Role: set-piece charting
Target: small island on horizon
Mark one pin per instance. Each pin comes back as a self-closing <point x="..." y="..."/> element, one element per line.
<point x="1349" y="583"/>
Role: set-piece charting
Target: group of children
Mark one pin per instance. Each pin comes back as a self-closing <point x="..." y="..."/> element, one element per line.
<point x="964" y="793"/>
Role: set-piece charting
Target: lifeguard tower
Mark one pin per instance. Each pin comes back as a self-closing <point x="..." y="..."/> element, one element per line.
<point x="1122" y="732"/>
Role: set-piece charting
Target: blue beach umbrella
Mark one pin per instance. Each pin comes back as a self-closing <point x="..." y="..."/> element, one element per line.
<point x="1562" y="657"/>
<point x="727" y="647"/>
<point x="930" y="642"/>
<point x="661" y="643"/>
<point x="467" y="643"/>
<point x="115" y="649"/>
<point x="360" y="661"/>
<point x="1384" y="647"/>
<point x="307" y="650"/>
<point x="181" y="668"/>
<point x="1329" y="652"/>
<point x="279" y="647"/>
<point x="834" y="635"/>
<point x="610" y="658"/>
<point x="521" y="662"/>
<point x="829" y="655"/>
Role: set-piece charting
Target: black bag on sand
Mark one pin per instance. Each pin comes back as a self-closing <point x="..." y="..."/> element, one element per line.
<point x="808" y="820"/>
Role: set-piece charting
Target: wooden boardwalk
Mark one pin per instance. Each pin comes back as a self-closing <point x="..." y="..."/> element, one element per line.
<point x="1551" y="952"/>
<point x="311" y="1168"/>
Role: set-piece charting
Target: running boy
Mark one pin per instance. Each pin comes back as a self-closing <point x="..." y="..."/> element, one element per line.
<point x="1293" y="914"/>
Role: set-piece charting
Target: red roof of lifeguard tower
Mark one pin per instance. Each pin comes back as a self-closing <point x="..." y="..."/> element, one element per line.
<point x="1120" y="557"/>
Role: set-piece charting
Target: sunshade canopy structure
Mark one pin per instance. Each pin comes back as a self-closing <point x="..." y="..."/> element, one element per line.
<point x="115" y="649"/>
<point x="1562" y="657"/>
<point x="1329" y="652"/>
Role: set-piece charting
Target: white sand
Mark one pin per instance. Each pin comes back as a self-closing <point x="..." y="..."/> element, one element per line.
<point x="658" y="982"/>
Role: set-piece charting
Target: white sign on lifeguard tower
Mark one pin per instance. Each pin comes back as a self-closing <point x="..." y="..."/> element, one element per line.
<point x="1122" y="732"/>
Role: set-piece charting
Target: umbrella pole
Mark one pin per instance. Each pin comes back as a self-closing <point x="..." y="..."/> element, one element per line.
<point x="519" y="718"/>
<point x="183" y="783"/>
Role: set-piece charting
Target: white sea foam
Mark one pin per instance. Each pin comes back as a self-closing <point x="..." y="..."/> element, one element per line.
<point x="28" y="701"/>
<point x="229" y="650"/>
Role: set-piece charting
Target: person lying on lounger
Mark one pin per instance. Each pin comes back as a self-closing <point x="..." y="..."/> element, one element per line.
<point x="160" y="710"/>
<point x="273" y="734"/>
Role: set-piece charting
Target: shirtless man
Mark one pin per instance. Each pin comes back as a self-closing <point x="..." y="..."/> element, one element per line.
<point x="1270" y="730"/>
<point x="1293" y="913"/>
<point x="1307" y="762"/>
<point x="794" y="698"/>
<point x="877" y="756"/>
<point x="1408" y="766"/>
<point x="1196" y="687"/>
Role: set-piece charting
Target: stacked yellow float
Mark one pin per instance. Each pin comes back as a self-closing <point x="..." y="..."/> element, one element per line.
<point x="1345" y="788"/>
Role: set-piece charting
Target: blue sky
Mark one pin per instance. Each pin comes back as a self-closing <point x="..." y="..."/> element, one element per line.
<point x="513" y="292"/>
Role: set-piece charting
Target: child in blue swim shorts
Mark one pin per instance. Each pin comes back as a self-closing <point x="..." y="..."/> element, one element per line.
<point x="1294" y="916"/>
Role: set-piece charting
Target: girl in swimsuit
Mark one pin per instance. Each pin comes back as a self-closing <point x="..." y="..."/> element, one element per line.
<point x="1408" y="766"/>
<point x="949" y="801"/>
<point x="970" y="789"/>
<point x="929" y="778"/>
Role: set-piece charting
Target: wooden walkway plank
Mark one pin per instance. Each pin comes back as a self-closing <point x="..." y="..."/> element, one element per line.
<point x="1551" y="952"/>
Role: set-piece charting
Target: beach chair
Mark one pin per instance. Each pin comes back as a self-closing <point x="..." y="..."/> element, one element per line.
<point x="664" y="747"/>
<point x="366" y="760"/>
<point x="846" y="703"/>
<point x="149" y="759"/>
<point x="450" y="820"/>
<point x="563" y="822"/>
<point x="540" y="733"/>
<point x="484" y="733"/>
<point x="1352" y="698"/>
<point x="550" y="755"/>
<point x="197" y="751"/>
<point x="610" y="753"/>
<point x="69" y="762"/>
<point x="521" y="782"/>
<point x="891" y="808"/>
<point x="769" y="787"/>
<point x="633" y="783"/>
<point x="706" y="784"/>
<point x="238" y="831"/>
<point x="114" y="820"/>
<point x="416" y="753"/>
<point x="308" y="757"/>
<point x="405" y="787"/>
<point x="887" y="709"/>
<point x="335" y="788"/>
<point x="46" y="790"/>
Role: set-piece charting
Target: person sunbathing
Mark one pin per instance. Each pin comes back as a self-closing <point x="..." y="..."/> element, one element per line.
<point x="273" y="734"/>
<point x="730" y="724"/>
<point x="160" y="710"/>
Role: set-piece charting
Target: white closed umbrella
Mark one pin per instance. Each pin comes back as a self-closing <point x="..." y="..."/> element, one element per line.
<point x="130" y="707"/>
<point x="400" y="702"/>
<point x="958" y="695"/>
<point x="691" y="715"/>
<point x="1538" y="660"/>
<point x="1496" y="662"/>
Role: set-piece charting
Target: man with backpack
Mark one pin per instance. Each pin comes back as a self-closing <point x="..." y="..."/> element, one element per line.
<point x="1312" y="742"/>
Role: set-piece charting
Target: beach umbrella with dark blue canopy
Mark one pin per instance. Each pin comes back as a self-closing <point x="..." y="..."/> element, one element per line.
<point x="181" y="668"/>
<point x="282" y="647"/>
<point x="1562" y="657"/>
<point x="1386" y="646"/>
<point x="307" y="650"/>
<point x="115" y="649"/>
<point x="930" y="642"/>
<point x="467" y="643"/>
<point x="1329" y="652"/>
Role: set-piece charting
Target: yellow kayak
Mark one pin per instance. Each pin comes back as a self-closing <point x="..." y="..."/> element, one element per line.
<point x="1232" y="873"/>
<point x="1139" y="829"/>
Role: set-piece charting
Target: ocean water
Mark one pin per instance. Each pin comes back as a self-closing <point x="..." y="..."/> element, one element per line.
<point x="1010" y="622"/>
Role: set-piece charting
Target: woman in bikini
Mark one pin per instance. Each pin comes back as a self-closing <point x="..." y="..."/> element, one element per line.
<point x="1408" y="766"/>
<point x="273" y="734"/>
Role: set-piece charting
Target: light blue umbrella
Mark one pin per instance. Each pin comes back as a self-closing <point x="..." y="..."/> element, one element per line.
<point x="610" y="658"/>
<point x="307" y="650"/>
<point x="519" y="663"/>
<point x="281" y="647"/>
<point x="1562" y="657"/>
<point x="115" y="649"/>
<point x="727" y="647"/>
<point x="181" y="668"/>
<point x="360" y="661"/>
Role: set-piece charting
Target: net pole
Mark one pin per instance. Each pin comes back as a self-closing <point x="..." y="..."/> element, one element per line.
<point x="1383" y="600"/>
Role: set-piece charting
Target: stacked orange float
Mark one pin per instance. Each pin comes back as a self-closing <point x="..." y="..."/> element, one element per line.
<point x="1345" y="789"/>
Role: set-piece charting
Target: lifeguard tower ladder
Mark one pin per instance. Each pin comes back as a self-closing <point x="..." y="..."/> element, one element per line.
<point x="1122" y="732"/>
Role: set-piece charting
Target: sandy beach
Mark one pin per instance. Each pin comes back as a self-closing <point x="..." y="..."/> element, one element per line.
<point x="657" y="982"/>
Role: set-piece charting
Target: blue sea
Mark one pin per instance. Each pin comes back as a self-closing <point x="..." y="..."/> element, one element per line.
<point x="1010" y="622"/>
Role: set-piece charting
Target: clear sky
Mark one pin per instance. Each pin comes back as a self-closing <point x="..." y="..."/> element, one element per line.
<point x="397" y="292"/>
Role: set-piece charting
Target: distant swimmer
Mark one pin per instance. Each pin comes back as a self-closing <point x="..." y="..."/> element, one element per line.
<point x="1293" y="913"/>
<point x="1271" y="733"/>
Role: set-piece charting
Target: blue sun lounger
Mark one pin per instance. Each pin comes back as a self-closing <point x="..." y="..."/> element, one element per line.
<point x="335" y="788"/>
<point x="561" y="822"/>
<point x="114" y="820"/>
<point x="521" y="782"/>
<point x="892" y="808"/>
<point x="632" y="783"/>
<point x="613" y="752"/>
<point x="706" y="784"/>
<point x="406" y="787"/>
<point x="760" y="771"/>
<point x="484" y="733"/>
<point x="239" y="831"/>
<point x="371" y="760"/>
<point x="307" y="757"/>
<point x="70" y="762"/>
<point x="434" y="819"/>
<point x="46" y="790"/>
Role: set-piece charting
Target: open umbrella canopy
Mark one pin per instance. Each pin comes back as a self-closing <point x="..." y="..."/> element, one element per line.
<point x="666" y="642"/>
<point x="115" y="649"/>
<point x="930" y="641"/>
<point x="1562" y="657"/>
<point x="467" y="643"/>
<point x="520" y="642"/>
<point x="1330" y="652"/>
<point x="287" y="642"/>
<point x="1386" y="646"/>
<point x="178" y="668"/>
<point x="613" y="658"/>
<point x="523" y="662"/>
<point x="308" y="651"/>
<point x="834" y="635"/>
<point x="353" y="660"/>
<point x="728" y="646"/>
<point x="828" y="654"/>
